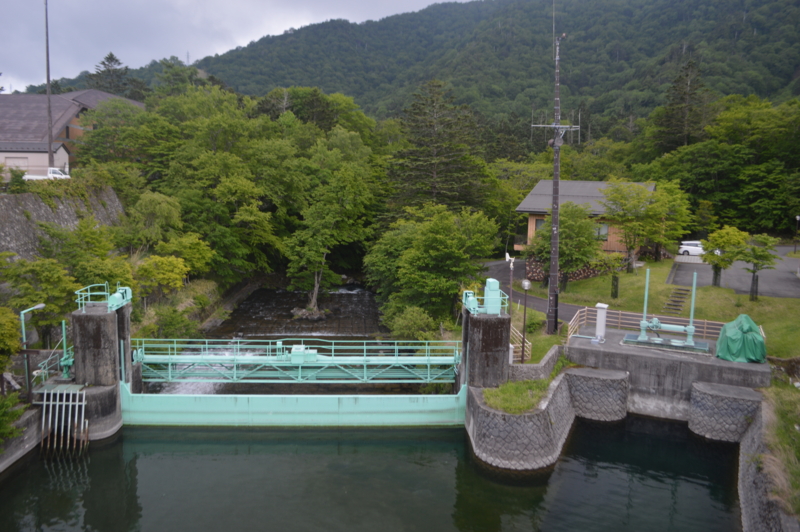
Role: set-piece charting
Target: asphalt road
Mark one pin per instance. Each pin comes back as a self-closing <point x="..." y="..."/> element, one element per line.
<point x="498" y="269"/>
<point x="779" y="282"/>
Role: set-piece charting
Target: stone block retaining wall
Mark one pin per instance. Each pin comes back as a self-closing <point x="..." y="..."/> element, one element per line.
<point x="715" y="410"/>
<point x="520" y="442"/>
<point x="598" y="394"/>
<point x="723" y="413"/>
<point x="534" y="440"/>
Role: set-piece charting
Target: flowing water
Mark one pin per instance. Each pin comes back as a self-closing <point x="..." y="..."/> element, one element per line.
<point x="351" y="312"/>
<point x="636" y="475"/>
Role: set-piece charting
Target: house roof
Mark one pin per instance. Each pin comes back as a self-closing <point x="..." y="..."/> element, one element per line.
<point x="23" y="117"/>
<point x="29" y="147"/>
<point x="540" y="199"/>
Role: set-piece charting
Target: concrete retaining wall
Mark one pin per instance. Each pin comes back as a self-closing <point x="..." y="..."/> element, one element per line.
<point x="723" y="413"/>
<point x="661" y="381"/>
<point x="533" y="372"/>
<point x="520" y="442"/>
<point x="759" y="512"/>
<point x="601" y="395"/>
<point x="16" y="448"/>
<point x="534" y="440"/>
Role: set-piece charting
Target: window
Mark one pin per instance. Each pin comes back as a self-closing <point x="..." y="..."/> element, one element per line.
<point x="539" y="223"/>
<point x="602" y="232"/>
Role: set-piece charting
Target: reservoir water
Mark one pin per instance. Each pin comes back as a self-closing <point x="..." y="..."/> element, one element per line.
<point x="637" y="475"/>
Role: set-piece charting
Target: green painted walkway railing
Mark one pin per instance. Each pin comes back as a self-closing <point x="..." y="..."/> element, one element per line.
<point x="297" y="360"/>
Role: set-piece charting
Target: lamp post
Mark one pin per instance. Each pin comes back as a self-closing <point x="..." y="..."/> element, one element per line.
<point x="25" y="348"/>
<point x="526" y="285"/>
<point x="796" y="228"/>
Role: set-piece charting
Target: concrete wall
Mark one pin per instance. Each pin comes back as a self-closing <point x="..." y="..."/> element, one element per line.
<point x="534" y="440"/>
<point x="96" y="346"/>
<point x="722" y="413"/>
<point x="532" y="372"/>
<point x="488" y="338"/>
<point x="20" y="212"/>
<point x="520" y="442"/>
<point x="759" y="511"/>
<point x="16" y="448"/>
<point x="661" y="381"/>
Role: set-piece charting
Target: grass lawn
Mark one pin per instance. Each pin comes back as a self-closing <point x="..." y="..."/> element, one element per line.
<point x="518" y="397"/>
<point x="779" y="316"/>
<point x="540" y="342"/>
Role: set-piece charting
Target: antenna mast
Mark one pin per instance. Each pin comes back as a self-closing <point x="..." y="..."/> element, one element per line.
<point x="557" y="142"/>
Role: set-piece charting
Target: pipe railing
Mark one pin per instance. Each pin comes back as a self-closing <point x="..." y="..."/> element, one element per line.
<point x="617" y="319"/>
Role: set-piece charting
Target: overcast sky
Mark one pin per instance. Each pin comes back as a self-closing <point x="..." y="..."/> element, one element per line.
<point x="82" y="32"/>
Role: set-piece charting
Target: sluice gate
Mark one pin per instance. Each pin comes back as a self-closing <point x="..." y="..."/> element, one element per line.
<point x="297" y="360"/>
<point x="65" y="428"/>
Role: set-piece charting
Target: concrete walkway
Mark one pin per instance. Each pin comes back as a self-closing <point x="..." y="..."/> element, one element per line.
<point x="779" y="282"/>
<point x="498" y="269"/>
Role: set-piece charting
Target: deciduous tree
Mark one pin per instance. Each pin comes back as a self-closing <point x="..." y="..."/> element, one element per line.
<point x="577" y="244"/>
<point x="722" y="249"/>
<point x="759" y="254"/>
<point x="41" y="281"/>
<point x="627" y="208"/>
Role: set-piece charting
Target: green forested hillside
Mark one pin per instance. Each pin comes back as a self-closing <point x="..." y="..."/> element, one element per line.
<point x="618" y="59"/>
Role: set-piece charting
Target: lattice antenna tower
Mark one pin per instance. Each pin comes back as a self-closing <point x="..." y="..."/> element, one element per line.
<point x="557" y="142"/>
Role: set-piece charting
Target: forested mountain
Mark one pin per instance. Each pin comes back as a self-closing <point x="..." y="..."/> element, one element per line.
<point x="618" y="59"/>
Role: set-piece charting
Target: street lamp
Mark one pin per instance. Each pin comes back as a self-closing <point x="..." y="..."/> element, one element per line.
<point x="526" y="285"/>
<point x="25" y="347"/>
<point x="796" y="228"/>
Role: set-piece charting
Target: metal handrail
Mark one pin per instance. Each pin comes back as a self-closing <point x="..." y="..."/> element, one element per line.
<point x="298" y="360"/>
<point x="516" y="341"/>
<point x="334" y="348"/>
<point x="87" y="295"/>
<point x="618" y="319"/>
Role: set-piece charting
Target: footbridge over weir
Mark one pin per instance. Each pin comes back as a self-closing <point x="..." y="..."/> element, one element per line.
<point x="297" y="360"/>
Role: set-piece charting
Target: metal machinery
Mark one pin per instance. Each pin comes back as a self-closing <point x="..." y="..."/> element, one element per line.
<point x="654" y="324"/>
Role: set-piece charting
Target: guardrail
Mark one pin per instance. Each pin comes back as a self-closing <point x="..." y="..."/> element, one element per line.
<point x="617" y="319"/>
<point x="516" y="341"/>
<point x="296" y="360"/>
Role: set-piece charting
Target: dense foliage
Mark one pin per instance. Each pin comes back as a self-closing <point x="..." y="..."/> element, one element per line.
<point x="618" y="59"/>
<point x="297" y="181"/>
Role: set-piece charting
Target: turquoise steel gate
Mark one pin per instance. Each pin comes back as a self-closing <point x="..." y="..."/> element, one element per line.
<point x="297" y="360"/>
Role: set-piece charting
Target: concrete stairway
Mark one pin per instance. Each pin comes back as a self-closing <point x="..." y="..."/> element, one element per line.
<point x="677" y="298"/>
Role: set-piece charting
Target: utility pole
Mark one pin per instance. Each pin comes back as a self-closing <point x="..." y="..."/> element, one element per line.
<point x="50" y="157"/>
<point x="556" y="143"/>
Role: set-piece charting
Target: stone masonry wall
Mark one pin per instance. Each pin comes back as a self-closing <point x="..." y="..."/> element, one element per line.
<point x="20" y="212"/>
<point x="759" y="513"/>
<point x="520" y="442"/>
<point x="532" y="372"/>
<point x="534" y="440"/>
<point x="601" y="395"/>
<point x="720" y="412"/>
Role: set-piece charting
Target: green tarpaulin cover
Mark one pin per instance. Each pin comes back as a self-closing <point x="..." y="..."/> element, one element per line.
<point x="741" y="341"/>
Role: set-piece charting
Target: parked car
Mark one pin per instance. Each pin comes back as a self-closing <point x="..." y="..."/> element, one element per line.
<point x="693" y="247"/>
<point x="690" y="247"/>
<point x="52" y="173"/>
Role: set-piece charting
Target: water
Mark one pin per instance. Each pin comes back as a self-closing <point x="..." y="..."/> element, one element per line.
<point x="637" y="475"/>
<point x="352" y="312"/>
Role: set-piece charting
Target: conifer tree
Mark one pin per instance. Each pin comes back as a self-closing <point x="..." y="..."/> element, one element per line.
<point x="441" y="165"/>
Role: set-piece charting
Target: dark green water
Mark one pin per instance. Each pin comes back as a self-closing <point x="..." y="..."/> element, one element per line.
<point x="637" y="475"/>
